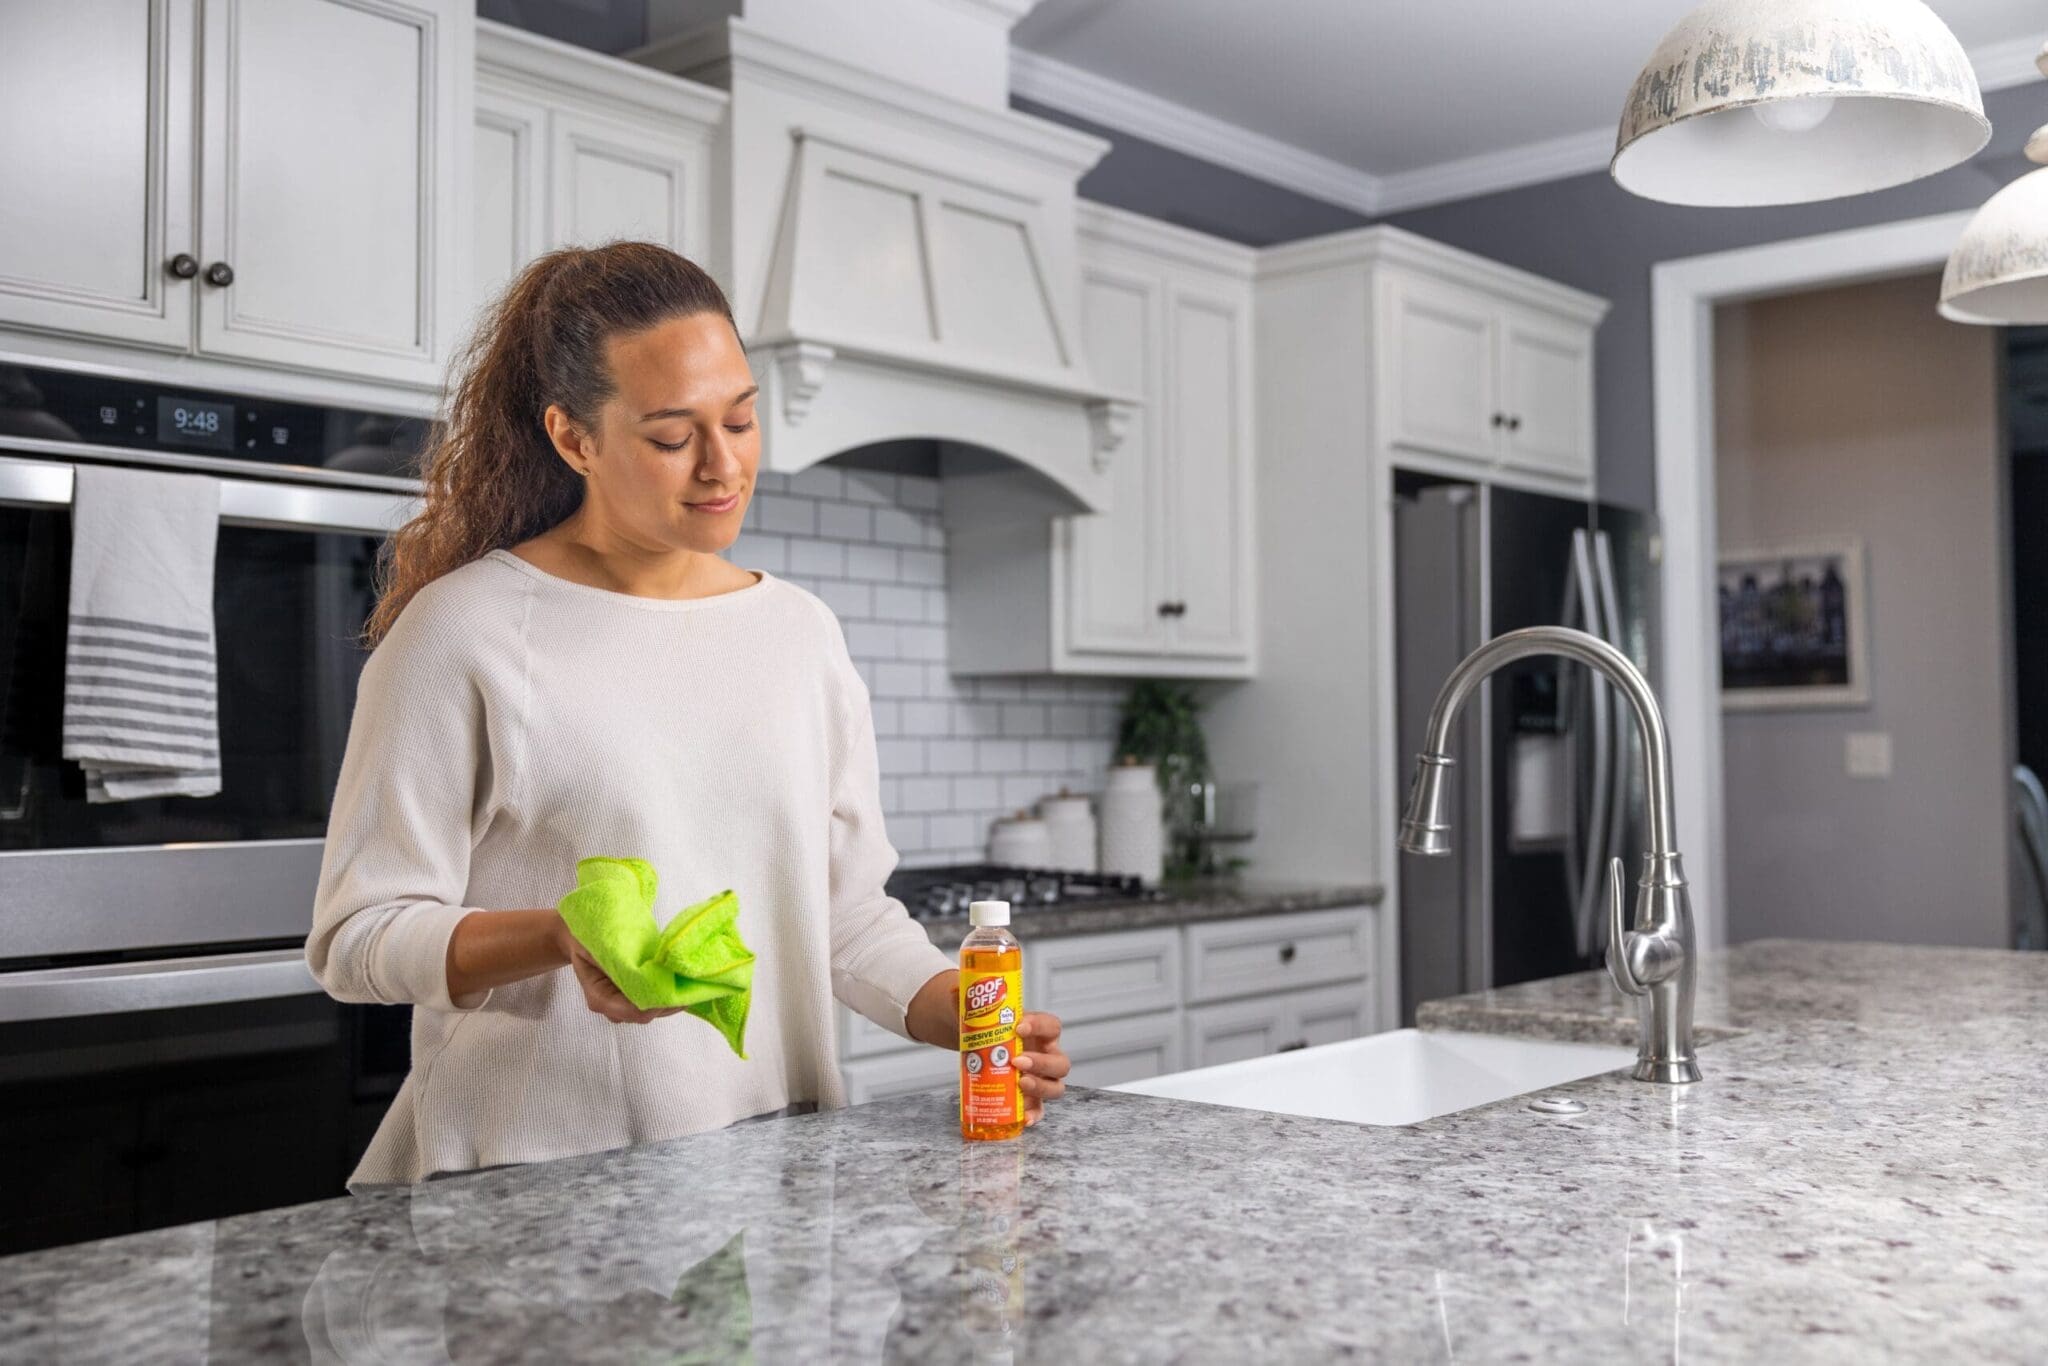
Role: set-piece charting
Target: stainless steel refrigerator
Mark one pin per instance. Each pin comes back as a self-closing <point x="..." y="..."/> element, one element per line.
<point x="1547" y="784"/>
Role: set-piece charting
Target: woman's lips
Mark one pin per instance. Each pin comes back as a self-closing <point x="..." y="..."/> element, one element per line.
<point x="725" y="504"/>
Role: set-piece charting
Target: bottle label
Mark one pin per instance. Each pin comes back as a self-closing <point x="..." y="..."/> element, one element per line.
<point x="991" y="1003"/>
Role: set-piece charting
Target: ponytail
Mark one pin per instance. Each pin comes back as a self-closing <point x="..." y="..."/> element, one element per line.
<point x="492" y="476"/>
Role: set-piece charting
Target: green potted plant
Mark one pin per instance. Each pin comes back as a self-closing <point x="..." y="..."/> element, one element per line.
<point x="1162" y="725"/>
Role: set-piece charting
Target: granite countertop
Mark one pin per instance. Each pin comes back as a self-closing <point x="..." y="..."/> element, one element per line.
<point x="1862" y="1176"/>
<point x="1182" y="903"/>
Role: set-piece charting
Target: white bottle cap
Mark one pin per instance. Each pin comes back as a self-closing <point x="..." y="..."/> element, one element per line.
<point x="989" y="913"/>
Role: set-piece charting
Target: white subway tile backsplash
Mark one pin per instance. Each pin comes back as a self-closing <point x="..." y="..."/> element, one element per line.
<point x="1023" y="719"/>
<point x="846" y="521"/>
<point x="826" y="559"/>
<point x="955" y="753"/>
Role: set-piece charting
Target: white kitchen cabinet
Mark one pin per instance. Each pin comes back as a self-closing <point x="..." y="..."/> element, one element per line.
<point x="1097" y="976"/>
<point x="1231" y="1031"/>
<point x="96" y="98"/>
<point x="1258" y="955"/>
<point x="1486" y="368"/>
<point x="327" y="162"/>
<point x="1111" y="1052"/>
<point x="1162" y="584"/>
<point x="574" y="148"/>
<point x="914" y="1069"/>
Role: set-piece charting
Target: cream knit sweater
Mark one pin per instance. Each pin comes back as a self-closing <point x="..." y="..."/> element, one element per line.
<point x="513" y="722"/>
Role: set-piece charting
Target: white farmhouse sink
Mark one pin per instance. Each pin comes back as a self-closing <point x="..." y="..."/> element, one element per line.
<point x="1401" y="1077"/>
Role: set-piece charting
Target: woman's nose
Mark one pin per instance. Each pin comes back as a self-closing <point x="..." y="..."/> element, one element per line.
<point x="721" y="463"/>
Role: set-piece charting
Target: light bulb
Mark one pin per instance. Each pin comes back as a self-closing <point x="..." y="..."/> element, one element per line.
<point x="1800" y="114"/>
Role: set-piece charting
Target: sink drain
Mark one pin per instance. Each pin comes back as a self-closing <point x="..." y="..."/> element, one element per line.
<point x="1557" y="1105"/>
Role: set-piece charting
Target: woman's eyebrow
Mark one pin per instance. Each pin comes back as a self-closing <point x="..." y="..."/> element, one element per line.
<point x="740" y="397"/>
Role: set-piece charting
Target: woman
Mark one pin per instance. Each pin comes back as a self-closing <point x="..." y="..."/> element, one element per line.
<point x="565" y="667"/>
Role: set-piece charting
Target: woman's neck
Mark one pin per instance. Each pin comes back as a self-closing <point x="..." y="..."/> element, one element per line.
<point x="586" y="555"/>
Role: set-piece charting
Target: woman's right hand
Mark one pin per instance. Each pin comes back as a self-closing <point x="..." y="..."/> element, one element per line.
<point x="600" y="992"/>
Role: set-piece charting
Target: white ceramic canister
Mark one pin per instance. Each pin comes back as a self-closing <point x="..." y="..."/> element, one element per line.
<point x="1071" y="822"/>
<point x="1020" y="841"/>
<point x="1133" y="829"/>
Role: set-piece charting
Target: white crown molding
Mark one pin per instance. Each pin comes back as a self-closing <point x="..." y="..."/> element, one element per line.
<point x="512" y="54"/>
<point x="1129" y="110"/>
<point x="1046" y="81"/>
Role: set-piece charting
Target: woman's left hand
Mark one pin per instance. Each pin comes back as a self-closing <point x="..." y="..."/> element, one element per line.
<point x="1041" y="1061"/>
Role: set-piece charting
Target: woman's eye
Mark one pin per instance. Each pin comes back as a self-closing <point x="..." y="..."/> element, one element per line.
<point x="664" y="446"/>
<point x="737" y="427"/>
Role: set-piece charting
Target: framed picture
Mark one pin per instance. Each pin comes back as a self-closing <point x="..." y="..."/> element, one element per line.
<point x="1795" y="627"/>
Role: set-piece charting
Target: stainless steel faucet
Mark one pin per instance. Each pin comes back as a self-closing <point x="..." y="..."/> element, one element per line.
<point x="1655" y="961"/>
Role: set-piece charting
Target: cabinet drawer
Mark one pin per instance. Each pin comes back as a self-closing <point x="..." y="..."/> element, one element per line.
<point x="1227" y="958"/>
<point x="1331" y="1014"/>
<point x="1234" y="1030"/>
<point x="1111" y="1052"/>
<point x="900" y="1074"/>
<point x="1099" y="976"/>
<point x="860" y="1037"/>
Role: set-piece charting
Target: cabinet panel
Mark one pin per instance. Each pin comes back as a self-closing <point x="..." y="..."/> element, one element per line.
<point x="329" y="172"/>
<point x="1229" y="958"/>
<point x="1547" y="394"/>
<point x="899" y="1074"/>
<point x="1209" y="477"/>
<point x="1236" y="1030"/>
<point x="96" y="98"/>
<point x="1331" y="1014"/>
<point x="1111" y="1052"/>
<point x="1440" y="354"/>
<point x="614" y="181"/>
<point x="1115" y="565"/>
<point x="509" y="178"/>
<point x="1097" y="976"/>
<point x="860" y="1037"/>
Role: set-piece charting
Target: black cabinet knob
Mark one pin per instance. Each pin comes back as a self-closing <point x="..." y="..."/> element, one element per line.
<point x="1287" y="953"/>
<point x="1514" y="424"/>
<point x="1291" y="1047"/>
<point x="220" y="273"/>
<point x="1165" y="609"/>
<point x="1180" y="609"/>
<point x="184" y="265"/>
<point x="1500" y="419"/>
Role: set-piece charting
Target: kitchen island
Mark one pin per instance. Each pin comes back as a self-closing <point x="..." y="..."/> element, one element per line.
<point x="1862" y="1176"/>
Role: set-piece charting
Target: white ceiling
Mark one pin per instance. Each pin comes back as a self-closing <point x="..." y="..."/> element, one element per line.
<point x="1385" y="104"/>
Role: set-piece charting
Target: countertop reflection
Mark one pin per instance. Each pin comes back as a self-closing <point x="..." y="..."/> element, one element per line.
<point x="1859" y="1178"/>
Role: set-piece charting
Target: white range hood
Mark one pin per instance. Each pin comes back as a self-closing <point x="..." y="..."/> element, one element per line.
<point x="901" y="253"/>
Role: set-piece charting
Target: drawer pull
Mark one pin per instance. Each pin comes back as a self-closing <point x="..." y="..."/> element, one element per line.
<point x="1291" y="1047"/>
<point x="1287" y="953"/>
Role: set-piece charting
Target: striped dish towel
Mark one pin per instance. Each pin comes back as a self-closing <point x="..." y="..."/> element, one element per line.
<point x="140" y="692"/>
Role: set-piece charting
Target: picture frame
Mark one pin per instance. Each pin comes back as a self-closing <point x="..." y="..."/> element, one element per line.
<point x="1794" y="626"/>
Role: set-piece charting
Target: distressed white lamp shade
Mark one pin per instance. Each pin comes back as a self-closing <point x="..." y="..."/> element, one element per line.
<point x="1998" y="272"/>
<point x="1788" y="101"/>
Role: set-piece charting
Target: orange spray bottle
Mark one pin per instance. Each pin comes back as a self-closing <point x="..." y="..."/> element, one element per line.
<point x="991" y="1004"/>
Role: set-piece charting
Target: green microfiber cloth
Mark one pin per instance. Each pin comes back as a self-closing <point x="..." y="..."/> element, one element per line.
<point x="698" y="962"/>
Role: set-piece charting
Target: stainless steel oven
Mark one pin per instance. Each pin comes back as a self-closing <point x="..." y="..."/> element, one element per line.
<point x="164" y="1053"/>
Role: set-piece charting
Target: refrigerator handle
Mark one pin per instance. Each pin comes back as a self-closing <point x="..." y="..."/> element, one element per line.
<point x="1624" y="736"/>
<point x="1583" y="852"/>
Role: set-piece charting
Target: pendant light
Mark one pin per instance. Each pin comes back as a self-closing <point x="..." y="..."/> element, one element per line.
<point x="1787" y="101"/>
<point x="1998" y="272"/>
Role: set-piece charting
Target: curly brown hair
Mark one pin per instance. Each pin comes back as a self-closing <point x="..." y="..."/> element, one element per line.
<point x="491" y="475"/>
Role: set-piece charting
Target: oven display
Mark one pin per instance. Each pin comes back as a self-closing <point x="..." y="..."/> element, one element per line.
<point x="195" y="422"/>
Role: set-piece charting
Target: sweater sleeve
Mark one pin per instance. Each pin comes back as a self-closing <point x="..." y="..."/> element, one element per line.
<point x="880" y="956"/>
<point x="416" y="786"/>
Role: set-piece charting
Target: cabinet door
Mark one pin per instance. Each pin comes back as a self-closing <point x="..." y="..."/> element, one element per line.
<point x="1331" y="1014"/>
<point x="612" y="180"/>
<point x="96" y="98"/>
<point x="1098" y="976"/>
<point x="1546" y="370"/>
<point x="508" y="221"/>
<point x="1114" y="561"/>
<point x="1261" y="954"/>
<point x="1112" y="1052"/>
<point x="899" y="1074"/>
<point x="1441" y="358"/>
<point x="1237" y="1030"/>
<point x="332" y="169"/>
<point x="1207" y="468"/>
<point x="227" y="1147"/>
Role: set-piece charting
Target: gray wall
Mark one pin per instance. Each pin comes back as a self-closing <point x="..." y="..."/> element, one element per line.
<point x="1583" y="231"/>
<point x="1859" y="412"/>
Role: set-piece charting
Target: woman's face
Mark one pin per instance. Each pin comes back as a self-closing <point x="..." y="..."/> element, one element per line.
<point x="672" y="462"/>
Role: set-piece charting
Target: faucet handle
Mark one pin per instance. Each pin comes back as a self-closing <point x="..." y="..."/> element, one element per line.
<point x="1618" y="968"/>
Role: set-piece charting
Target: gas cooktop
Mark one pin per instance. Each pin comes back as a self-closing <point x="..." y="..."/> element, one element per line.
<point x="936" y="893"/>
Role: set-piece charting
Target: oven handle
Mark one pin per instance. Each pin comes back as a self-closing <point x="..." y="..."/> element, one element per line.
<point x="243" y="502"/>
<point x="118" y="988"/>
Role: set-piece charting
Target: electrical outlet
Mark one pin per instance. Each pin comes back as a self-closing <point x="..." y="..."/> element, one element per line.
<point x="1868" y="754"/>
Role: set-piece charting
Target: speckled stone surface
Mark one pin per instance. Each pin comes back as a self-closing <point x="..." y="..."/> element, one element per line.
<point x="1862" y="1176"/>
<point x="1184" y="904"/>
